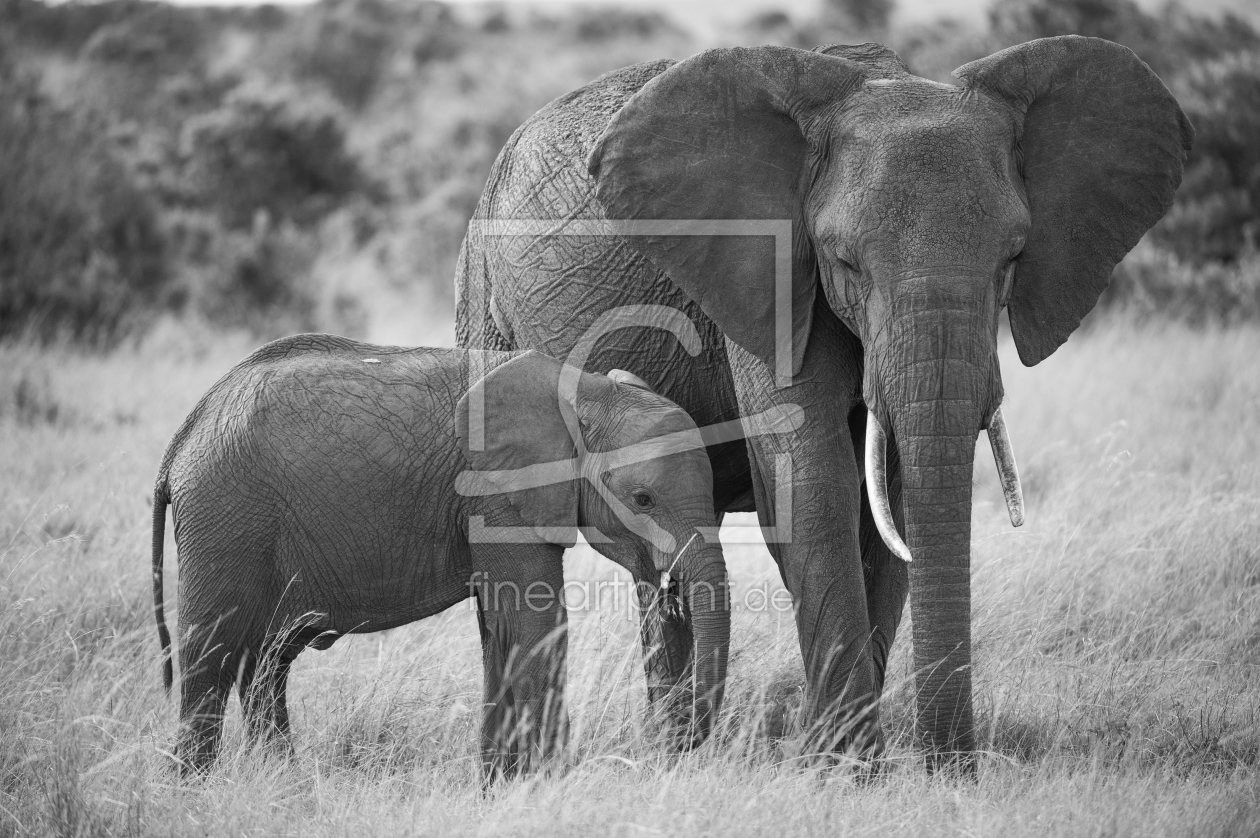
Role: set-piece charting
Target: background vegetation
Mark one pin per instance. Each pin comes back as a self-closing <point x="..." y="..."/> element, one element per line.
<point x="306" y="167"/>
<point x="177" y="183"/>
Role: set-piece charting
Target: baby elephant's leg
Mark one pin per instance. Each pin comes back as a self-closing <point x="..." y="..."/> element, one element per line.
<point x="209" y="655"/>
<point x="665" y="631"/>
<point x="264" y="681"/>
<point x="524" y="648"/>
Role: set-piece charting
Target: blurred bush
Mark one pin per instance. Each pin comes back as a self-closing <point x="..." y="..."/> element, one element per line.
<point x="81" y="248"/>
<point x="157" y="39"/>
<point x="344" y="46"/>
<point x="349" y="47"/>
<point x="1217" y="216"/>
<point x="63" y="27"/>
<point x="610" y="23"/>
<point x="127" y="63"/>
<point x="868" y="16"/>
<point x="268" y="151"/>
<point x="1152" y="282"/>
<point x="258" y="280"/>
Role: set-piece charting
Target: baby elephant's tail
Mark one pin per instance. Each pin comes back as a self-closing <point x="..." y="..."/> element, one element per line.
<point x="160" y="502"/>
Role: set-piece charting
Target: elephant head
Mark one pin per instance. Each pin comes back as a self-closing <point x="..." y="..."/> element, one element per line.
<point x="920" y="210"/>
<point x="608" y="454"/>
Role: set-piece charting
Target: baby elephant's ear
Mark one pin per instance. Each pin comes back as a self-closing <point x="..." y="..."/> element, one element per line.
<point x="515" y="440"/>
<point x="623" y="377"/>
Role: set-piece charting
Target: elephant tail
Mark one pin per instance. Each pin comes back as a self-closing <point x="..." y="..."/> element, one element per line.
<point x="160" y="501"/>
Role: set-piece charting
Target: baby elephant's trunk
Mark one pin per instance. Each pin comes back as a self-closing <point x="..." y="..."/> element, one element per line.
<point x="702" y="580"/>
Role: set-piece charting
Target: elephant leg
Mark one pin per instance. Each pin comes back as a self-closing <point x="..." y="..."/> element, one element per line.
<point x="280" y="687"/>
<point x="667" y="658"/>
<point x="810" y="477"/>
<point x="255" y="692"/>
<point x="524" y="643"/>
<point x="500" y="756"/>
<point x="538" y="688"/>
<point x="264" y="683"/>
<point x="209" y="657"/>
<point x="263" y="686"/>
<point x="887" y="577"/>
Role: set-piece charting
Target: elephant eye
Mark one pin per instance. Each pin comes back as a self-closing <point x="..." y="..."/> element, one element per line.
<point x="643" y="500"/>
<point x="848" y="266"/>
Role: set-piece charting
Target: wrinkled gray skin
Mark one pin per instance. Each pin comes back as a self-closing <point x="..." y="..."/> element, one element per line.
<point x="314" y="494"/>
<point x="919" y="211"/>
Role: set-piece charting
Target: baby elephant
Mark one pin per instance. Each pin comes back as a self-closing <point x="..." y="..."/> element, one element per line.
<point x="327" y="487"/>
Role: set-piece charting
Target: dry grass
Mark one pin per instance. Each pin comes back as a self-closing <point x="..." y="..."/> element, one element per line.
<point x="1117" y="640"/>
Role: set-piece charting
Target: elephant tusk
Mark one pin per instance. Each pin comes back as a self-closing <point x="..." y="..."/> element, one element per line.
<point x="877" y="487"/>
<point x="666" y="574"/>
<point x="1009" y="475"/>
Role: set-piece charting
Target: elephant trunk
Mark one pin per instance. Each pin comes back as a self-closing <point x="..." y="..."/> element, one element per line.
<point x="936" y="463"/>
<point x="703" y="583"/>
<point x="933" y="383"/>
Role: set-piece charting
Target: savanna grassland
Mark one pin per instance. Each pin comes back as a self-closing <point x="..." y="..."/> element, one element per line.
<point x="1117" y="639"/>
<point x="172" y="176"/>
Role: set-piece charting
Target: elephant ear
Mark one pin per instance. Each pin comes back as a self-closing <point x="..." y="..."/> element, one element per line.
<point x="722" y="136"/>
<point x="511" y="419"/>
<point x="1103" y="144"/>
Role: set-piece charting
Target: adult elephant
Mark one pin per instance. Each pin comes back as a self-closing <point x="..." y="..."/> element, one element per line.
<point x="918" y="212"/>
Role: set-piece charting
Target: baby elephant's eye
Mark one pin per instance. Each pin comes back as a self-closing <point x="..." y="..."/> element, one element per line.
<point x="643" y="500"/>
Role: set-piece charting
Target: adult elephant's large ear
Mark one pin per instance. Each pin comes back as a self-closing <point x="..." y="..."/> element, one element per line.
<point x="1103" y="144"/>
<point x="517" y="444"/>
<point x="723" y="136"/>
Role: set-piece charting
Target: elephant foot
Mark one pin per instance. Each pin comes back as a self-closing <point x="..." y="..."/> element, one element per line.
<point x="860" y="767"/>
<point x="851" y="741"/>
<point x="953" y="764"/>
<point x="669" y="717"/>
<point x="509" y="766"/>
<point x="853" y="734"/>
<point x="193" y="763"/>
